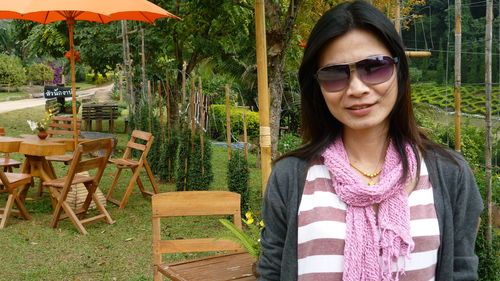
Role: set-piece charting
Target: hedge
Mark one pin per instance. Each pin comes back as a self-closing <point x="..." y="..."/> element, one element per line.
<point x="218" y="122"/>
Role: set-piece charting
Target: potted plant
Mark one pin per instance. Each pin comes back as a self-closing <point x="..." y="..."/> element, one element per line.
<point x="248" y="239"/>
<point x="67" y="107"/>
<point x="40" y="127"/>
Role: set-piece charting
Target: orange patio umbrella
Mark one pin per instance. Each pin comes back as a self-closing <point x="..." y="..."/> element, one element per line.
<point x="103" y="11"/>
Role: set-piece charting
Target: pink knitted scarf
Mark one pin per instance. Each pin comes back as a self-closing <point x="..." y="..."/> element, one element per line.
<point x="367" y="243"/>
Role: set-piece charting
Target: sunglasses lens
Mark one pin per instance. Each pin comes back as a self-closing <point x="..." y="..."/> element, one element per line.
<point x="375" y="70"/>
<point x="333" y="78"/>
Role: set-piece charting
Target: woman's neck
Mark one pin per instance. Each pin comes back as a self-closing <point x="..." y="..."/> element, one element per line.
<point x="366" y="149"/>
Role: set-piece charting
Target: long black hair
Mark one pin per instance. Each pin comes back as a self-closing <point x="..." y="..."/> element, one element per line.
<point x="319" y="126"/>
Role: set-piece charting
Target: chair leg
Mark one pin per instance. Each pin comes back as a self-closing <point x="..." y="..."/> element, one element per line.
<point x="74" y="219"/>
<point x="101" y="209"/>
<point x="7" y="210"/>
<point x="58" y="208"/>
<point x="130" y="187"/>
<point x="156" y="274"/>
<point x="112" y="188"/>
<point x="151" y="176"/>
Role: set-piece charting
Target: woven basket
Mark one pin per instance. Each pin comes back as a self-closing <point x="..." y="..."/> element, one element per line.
<point x="78" y="193"/>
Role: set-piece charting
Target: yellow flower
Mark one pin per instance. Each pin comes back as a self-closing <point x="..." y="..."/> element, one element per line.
<point x="249" y="217"/>
<point x="261" y="223"/>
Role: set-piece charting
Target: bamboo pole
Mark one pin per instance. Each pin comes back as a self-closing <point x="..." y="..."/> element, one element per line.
<point x="167" y="94"/>
<point x="191" y="107"/>
<point x="143" y="63"/>
<point x="71" y="23"/>
<point x="397" y="21"/>
<point x="418" y="54"/>
<point x="121" y="86"/>
<point x="202" y="125"/>
<point x="245" y="136"/>
<point x="183" y="83"/>
<point x="488" y="84"/>
<point x="228" y="123"/>
<point x="265" y="129"/>
<point x="458" y="69"/>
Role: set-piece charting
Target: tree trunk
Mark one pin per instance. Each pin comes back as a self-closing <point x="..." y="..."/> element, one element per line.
<point x="279" y="33"/>
<point x="488" y="81"/>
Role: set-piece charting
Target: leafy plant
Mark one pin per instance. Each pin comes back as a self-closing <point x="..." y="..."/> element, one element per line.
<point x="238" y="175"/>
<point x="248" y="240"/>
<point x="40" y="73"/>
<point x="218" y="122"/>
<point x="12" y="72"/>
<point x="288" y="142"/>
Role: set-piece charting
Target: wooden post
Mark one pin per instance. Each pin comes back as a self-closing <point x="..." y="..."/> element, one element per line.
<point x="488" y="81"/>
<point x="183" y="83"/>
<point x="121" y="86"/>
<point x="245" y="137"/>
<point x="161" y="104"/>
<point x="458" y="69"/>
<point x="150" y="117"/>
<point x="191" y="107"/>
<point x="265" y="129"/>
<point x="167" y="94"/>
<point x="397" y="21"/>
<point x="202" y="125"/>
<point x="228" y="123"/>
<point x="143" y="63"/>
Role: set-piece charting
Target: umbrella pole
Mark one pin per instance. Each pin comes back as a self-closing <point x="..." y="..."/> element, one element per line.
<point x="71" y="23"/>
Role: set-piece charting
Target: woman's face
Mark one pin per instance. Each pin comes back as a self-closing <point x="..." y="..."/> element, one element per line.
<point x="360" y="105"/>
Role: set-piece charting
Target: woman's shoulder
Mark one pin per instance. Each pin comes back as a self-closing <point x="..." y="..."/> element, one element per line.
<point x="290" y="164"/>
<point x="444" y="156"/>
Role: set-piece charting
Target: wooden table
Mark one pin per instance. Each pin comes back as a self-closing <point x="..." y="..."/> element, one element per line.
<point x="35" y="151"/>
<point x="10" y="144"/>
<point x="234" y="266"/>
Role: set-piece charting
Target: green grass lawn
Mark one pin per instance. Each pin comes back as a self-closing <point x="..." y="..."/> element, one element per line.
<point x="31" y="250"/>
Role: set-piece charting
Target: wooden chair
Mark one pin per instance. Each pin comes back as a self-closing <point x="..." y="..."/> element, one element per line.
<point x="7" y="164"/>
<point x="136" y="166"/>
<point x="11" y="181"/>
<point x="192" y="203"/>
<point x="62" y="126"/>
<point x="59" y="188"/>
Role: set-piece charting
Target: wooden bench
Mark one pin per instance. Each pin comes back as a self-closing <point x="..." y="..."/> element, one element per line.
<point x="53" y="106"/>
<point x="98" y="112"/>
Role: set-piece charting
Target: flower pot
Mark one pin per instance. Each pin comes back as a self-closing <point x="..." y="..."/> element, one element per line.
<point x="42" y="135"/>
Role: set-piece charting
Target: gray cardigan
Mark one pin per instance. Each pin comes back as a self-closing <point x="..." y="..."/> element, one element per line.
<point x="456" y="197"/>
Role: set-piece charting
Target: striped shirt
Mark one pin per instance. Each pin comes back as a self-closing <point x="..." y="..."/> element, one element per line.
<point x="322" y="230"/>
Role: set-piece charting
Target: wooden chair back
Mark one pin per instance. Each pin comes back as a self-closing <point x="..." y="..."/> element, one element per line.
<point x="79" y="165"/>
<point x="63" y="126"/>
<point x="133" y="145"/>
<point x="193" y="203"/>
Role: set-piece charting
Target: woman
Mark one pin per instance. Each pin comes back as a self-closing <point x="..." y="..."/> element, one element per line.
<point x="368" y="196"/>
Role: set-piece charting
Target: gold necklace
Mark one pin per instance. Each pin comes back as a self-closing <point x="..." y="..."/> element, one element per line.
<point x="370" y="176"/>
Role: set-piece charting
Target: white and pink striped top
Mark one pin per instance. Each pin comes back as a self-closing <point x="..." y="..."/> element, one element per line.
<point x="322" y="230"/>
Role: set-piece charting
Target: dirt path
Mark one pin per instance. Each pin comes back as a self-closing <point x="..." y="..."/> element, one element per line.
<point x="102" y="93"/>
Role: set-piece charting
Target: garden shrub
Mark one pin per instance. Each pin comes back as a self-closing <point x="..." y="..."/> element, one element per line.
<point x="96" y="78"/>
<point x="40" y="73"/>
<point x="12" y="72"/>
<point x="194" y="171"/>
<point x="288" y="142"/>
<point x="218" y="122"/>
<point x="238" y="175"/>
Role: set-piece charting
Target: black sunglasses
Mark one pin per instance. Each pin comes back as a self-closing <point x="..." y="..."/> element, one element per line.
<point x="372" y="70"/>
